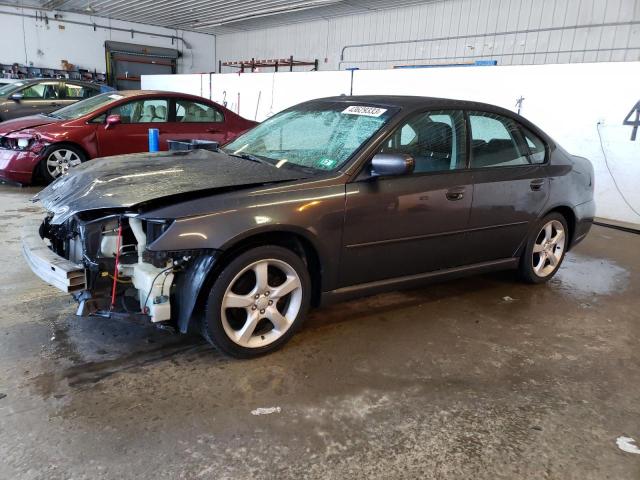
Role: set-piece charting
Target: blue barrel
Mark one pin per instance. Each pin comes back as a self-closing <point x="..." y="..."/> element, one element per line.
<point x="154" y="139"/>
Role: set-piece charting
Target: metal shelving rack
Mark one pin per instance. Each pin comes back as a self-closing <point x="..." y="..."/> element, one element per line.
<point x="25" y="72"/>
<point x="253" y="64"/>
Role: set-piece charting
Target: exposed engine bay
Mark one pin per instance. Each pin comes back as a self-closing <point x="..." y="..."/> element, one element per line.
<point x="121" y="275"/>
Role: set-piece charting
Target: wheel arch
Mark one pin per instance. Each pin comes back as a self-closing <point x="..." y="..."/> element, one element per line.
<point x="293" y="240"/>
<point x="570" y="216"/>
<point x="564" y="210"/>
<point x="36" y="170"/>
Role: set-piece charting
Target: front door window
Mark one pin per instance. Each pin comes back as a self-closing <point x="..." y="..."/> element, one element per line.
<point x="152" y="110"/>
<point x="436" y="140"/>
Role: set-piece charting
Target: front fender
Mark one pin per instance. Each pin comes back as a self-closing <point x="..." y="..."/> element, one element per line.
<point x="317" y="215"/>
<point x="188" y="288"/>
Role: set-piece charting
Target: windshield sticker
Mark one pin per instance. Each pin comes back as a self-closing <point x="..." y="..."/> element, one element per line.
<point x="116" y="97"/>
<point x="366" y="111"/>
<point x="326" y="163"/>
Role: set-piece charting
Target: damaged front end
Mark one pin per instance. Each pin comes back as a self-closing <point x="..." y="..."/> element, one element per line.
<point x="104" y="262"/>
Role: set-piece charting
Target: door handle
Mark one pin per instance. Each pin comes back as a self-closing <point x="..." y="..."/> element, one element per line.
<point x="456" y="193"/>
<point x="537" y="184"/>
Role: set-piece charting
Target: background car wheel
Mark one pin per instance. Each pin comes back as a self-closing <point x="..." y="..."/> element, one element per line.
<point x="258" y="302"/>
<point x="545" y="249"/>
<point x="58" y="159"/>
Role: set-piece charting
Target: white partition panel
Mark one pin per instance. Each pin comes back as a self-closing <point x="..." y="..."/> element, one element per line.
<point x="255" y="95"/>
<point x="260" y="95"/>
<point x="195" y="84"/>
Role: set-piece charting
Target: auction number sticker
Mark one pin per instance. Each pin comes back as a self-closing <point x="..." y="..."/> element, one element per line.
<point x="363" y="110"/>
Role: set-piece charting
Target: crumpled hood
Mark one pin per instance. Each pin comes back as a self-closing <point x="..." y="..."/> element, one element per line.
<point x="17" y="124"/>
<point x="127" y="180"/>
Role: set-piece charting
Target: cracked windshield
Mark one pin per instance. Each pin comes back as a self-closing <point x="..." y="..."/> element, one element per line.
<point x="315" y="137"/>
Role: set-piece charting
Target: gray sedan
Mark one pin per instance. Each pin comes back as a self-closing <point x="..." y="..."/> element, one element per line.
<point x="30" y="97"/>
<point x="328" y="200"/>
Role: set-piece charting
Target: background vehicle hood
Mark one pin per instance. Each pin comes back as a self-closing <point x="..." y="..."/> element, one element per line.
<point x="128" y="180"/>
<point x="9" y="126"/>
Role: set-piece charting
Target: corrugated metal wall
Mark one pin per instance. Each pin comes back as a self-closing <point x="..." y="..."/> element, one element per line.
<point x="512" y="32"/>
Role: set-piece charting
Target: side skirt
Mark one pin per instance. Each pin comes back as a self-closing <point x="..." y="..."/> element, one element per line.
<point x="414" y="281"/>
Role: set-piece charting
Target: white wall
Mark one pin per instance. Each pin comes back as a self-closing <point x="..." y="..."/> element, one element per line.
<point x="257" y="95"/>
<point x="26" y="40"/>
<point x="566" y="101"/>
<point x="473" y="27"/>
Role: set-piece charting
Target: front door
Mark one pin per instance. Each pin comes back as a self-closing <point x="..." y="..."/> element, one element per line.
<point x="132" y="134"/>
<point x="72" y="92"/>
<point x="41" y="97"/>
<point x="415" y="223"/>
<point x="511" y="185"/>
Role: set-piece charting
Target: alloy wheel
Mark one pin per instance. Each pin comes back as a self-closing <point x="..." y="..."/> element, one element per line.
<point x="548" y="248"/>
<point x="60" y="161"/>
<point x="261" y="303"/>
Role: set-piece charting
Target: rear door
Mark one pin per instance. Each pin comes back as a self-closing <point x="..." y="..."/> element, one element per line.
<point x="403" y="225"/>
<point x="197" y="120"/>
<point x="72" y="92"/>
<point x="132" y="134"/>
<point x="511" y="185"/>
<point x="41" y="97"/>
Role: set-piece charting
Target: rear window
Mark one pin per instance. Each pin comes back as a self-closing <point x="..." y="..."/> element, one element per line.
<point x="495" y="142"/>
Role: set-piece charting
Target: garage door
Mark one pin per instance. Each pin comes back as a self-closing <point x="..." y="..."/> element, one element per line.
<point x="126" y="62"/>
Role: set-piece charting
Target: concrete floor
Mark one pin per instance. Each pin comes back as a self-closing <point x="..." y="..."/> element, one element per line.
<point x="478" y="378"/>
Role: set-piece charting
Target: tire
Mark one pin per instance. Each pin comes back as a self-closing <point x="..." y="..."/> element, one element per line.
<point x="57" y="159"/>
<point x="246" y="315"/>
<point x="545" y="249"/>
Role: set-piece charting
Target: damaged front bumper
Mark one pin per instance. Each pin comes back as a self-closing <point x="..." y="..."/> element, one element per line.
<point x="53" y="269"/>
<point x="79" y="258"/>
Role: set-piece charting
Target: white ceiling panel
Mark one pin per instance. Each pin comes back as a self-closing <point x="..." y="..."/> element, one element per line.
<point x="215" y="16"/>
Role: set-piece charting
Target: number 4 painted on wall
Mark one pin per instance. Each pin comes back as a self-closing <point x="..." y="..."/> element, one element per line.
<point x="634" y="123"/>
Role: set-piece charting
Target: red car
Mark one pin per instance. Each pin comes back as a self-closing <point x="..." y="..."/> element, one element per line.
<point x="114" y="123"/>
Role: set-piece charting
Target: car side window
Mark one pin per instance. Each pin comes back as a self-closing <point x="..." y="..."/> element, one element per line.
<point x="436" y="140"/>
<point x="150" y="110"/>
<point x="537" y="148"/>
<point x="76" y="91"/>
<point x="195" y="112"/>
<point x="495" y="141"/>
<point x="40" y="91"/>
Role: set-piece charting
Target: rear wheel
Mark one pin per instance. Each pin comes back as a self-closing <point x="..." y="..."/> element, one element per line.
<point x="545" y="249"/>
<point x="58" y="159"/>
<point x="257" y="302"/>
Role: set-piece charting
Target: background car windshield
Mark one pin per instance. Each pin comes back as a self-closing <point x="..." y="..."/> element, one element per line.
<point x="322" y="136"/>
<point x="87" y="106"/>
<point x="10" y="87"/>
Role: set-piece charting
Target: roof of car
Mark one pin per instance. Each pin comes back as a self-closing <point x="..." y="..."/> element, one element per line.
<point x="412" y="102"/>
<point x="36" y="80"/>
<point x="135" y="93"/>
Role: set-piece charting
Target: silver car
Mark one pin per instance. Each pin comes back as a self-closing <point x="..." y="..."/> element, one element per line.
<point x="30" y="97"/>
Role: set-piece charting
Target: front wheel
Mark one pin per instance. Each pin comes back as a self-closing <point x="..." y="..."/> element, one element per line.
<point x="257" y="302"/>
<point x="545" y="249"/>
<point x="58" y="159"/>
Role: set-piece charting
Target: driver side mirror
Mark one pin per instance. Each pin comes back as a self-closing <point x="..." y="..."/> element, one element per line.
<point x="16" y="97"/>
<point x="392" y="164"/>
<point x="112" y="121"/>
